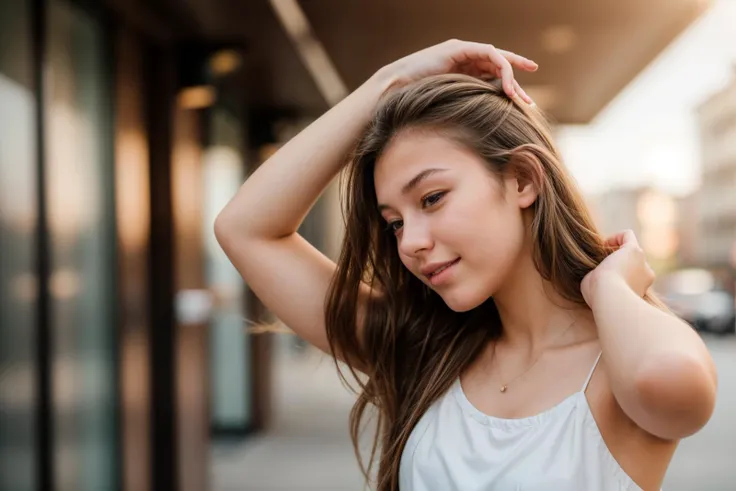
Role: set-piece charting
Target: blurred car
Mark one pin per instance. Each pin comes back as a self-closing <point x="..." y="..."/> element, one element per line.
<point x="710" y="311"/>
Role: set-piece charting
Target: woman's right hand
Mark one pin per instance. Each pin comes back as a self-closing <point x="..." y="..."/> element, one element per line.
<point x="454" y="56"/>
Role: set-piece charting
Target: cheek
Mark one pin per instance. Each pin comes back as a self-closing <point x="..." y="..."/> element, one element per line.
<point x="490" y="249"/>
<point x="492" y="237"/>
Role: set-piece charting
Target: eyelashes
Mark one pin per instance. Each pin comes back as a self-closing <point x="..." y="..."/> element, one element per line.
<point x="428" y="201"/>
<point x="432" y="199"/>
<point x="394" y="226"/>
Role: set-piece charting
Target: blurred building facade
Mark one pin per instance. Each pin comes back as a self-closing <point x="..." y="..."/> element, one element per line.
<point x="126" y="127"/>
<point x="688" y="229"/>
<point x="616" y="210"/>
<point x="717" y="196"/>
<point x="654" y="216"/>
<point x="125" y="346"/>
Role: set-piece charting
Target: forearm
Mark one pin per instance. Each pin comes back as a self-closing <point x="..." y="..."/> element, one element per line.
<point x="659" y="369"/>
<point x="274" y="200"/>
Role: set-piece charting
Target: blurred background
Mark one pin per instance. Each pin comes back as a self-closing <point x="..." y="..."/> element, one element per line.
<point x="130" y="357"/>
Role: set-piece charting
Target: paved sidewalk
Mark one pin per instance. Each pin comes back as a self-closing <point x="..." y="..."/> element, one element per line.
<point x="309" y="446"/>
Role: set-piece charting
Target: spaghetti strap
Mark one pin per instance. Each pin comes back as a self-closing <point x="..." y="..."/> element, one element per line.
<point x="590" y="375"/>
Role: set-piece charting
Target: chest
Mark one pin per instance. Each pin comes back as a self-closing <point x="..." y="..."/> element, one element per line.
<point x="455" y="447"/>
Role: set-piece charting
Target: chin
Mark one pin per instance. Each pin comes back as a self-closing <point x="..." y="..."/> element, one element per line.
<point x="463" y="301"/>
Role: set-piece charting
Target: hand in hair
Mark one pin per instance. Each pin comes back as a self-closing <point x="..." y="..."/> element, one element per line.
<point x="258" y="228"/>
<point x="454" y="56"/>
<point x="627" y="263"/>
<point x="659" y="369"/>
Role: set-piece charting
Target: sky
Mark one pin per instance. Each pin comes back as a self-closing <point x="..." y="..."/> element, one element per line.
<point x="648" y="135"/>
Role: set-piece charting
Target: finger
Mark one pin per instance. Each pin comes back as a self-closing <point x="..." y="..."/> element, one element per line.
<point x="507" y="77"/>
<point x="519" y="61"/>
<point x="524" y="96"/>
<point x="629" y="239"/>
<point x="486" y="67"/>
<point x="503" y="70"/>
<point x="615" y="241"/>
<point x="621" y="239"/>
<point x="480" y="51"/>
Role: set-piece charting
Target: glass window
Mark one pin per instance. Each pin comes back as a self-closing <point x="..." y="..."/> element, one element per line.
<point x="79" y="180"/>
<point x="18" y="221"/>
<point x="229" y="341"/>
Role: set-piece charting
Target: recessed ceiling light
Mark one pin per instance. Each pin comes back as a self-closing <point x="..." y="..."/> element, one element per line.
<point x="197" y="97"/>
<point x="225" y="62"/>
<point x="559" y="39"/>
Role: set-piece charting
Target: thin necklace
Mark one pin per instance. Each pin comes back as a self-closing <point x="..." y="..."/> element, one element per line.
<point x="539" y="356"/>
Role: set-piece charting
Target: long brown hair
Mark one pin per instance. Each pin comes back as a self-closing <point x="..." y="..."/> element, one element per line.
<point x="411" y="345"/>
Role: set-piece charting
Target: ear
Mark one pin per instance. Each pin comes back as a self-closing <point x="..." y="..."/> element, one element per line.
<point x="527" y="172"/>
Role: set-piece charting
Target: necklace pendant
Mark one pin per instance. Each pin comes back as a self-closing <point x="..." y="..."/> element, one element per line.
<point x="503" y="388"/>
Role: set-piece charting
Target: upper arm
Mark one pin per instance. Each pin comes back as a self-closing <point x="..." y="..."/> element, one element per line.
<point x="642" y="456"/>
<point x="291" y="277"/>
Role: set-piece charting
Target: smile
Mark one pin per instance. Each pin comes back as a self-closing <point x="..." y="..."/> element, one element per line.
<point x="442" y="273"/>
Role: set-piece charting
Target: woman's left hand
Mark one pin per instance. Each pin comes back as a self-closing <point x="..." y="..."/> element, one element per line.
<point x="627" y="264"/>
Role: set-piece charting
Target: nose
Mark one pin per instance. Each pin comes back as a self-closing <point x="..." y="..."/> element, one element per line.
<point x="415" y="238"/>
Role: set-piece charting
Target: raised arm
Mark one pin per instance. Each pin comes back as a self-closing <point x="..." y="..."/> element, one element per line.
<point x="257" y="229"/>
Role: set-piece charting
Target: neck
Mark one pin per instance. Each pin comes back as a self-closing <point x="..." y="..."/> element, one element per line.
<point x="534" y="315"/>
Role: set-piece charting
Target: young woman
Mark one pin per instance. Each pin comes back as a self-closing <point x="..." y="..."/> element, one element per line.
<point x="505" y="345"/>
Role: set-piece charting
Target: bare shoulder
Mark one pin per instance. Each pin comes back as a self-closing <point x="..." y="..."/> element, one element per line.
<point x="641" y="455"/>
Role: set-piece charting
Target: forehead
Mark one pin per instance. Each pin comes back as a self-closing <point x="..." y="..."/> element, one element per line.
<point x="412" y="152"/>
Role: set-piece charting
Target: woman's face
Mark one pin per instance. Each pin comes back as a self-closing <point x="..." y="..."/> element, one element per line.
<point x="458" y="229"/>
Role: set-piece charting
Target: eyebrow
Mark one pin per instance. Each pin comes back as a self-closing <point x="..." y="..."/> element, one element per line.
<point x="414" y="182"/>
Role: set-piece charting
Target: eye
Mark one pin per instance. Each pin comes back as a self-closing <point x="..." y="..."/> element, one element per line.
<point x="394" y="226"/>
<point x="432" y="199"/>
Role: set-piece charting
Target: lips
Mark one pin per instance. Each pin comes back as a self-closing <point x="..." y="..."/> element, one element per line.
<point x="434" y="269"/>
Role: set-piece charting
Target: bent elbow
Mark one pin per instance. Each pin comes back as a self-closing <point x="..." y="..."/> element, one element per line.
<point x="221" y="227"/>
<point x="677" y="394"/>
<point x="228" y="230"/>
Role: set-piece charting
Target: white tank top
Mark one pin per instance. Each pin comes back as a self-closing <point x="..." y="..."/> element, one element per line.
<point x="455" y="447"/>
